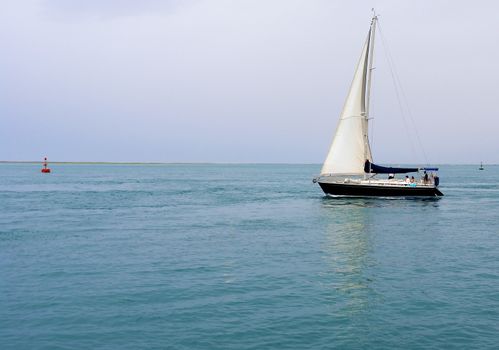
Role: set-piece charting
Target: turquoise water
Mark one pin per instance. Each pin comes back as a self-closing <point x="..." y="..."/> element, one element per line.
<point x="242" y="257"/>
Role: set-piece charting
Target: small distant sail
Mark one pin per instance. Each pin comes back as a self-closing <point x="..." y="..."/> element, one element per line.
<point x="350" y="147"/>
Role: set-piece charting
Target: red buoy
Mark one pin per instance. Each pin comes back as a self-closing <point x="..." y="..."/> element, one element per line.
<point x="45" y="169"/>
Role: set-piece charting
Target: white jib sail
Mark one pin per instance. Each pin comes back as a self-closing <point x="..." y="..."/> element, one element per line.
<point x="350" y="148"/>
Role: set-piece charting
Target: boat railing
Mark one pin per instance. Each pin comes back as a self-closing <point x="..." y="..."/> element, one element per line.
<point x="398" y="182"/>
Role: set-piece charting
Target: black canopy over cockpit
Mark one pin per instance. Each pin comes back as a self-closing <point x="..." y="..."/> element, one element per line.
<point x="377" y="169"/>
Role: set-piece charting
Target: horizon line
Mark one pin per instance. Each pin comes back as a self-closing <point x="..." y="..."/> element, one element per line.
<point x="189" y="163"/>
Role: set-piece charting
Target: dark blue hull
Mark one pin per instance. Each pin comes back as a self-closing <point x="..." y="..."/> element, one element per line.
<point x="339" y="189"/>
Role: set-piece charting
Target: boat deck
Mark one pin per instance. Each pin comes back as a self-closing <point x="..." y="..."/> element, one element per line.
<point x="389" y="182"/>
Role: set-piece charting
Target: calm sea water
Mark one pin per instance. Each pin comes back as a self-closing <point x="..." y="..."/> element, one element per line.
<point x="242" y="257"/>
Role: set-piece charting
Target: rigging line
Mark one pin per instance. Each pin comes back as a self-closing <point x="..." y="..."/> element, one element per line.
<point x="397" y="81"/>
<point x="409" y="112"/>
<point x="401" y="107"/>
<point x="411" y="118"/>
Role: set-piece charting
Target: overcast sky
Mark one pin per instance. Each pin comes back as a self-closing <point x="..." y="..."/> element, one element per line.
<point x="243" y="81"/>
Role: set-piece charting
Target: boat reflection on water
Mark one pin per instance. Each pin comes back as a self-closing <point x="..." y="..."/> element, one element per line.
<point x="348" y="253"/>
<point x="355" y="242"/>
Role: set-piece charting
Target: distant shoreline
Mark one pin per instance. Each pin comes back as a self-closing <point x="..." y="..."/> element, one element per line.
<point x="148" y="163"/>
<point x="198" y="163"/>
<point x="59" y="162"/>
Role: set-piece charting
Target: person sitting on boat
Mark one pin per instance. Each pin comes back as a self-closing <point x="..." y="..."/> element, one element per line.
<point x="425" y="178"/>
<point x="412" y="179"/>
<point x="391" y="176"/>
<point x="436" y="180"/>
<point x="407" y="180"/>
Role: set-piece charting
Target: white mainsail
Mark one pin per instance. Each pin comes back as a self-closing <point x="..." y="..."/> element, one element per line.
<point x="350" y="147"/>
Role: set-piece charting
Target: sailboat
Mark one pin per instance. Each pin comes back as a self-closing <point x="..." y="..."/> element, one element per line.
<point x="481" y="166"/>
<point x="349" y="169"/>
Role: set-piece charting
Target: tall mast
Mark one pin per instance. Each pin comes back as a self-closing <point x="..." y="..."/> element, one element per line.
<point x="370" y="67"/>
<point x="367" y="147"/>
